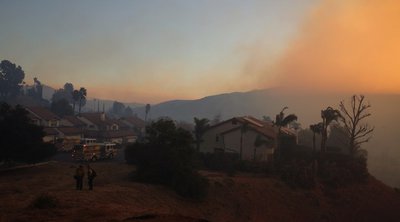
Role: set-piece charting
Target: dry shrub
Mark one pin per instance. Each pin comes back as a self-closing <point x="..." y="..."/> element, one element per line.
<point x="45" y="201"/>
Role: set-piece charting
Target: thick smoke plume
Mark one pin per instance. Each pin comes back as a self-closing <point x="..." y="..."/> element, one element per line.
<point x="346" y="46"/>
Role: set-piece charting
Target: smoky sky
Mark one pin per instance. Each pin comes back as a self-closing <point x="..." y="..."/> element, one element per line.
<point x="345" y="46"/>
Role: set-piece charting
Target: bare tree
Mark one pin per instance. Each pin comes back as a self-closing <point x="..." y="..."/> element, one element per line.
<point x="357" y="129"/>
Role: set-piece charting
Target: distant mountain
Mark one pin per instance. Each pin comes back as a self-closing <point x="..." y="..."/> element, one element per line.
<point x="383" y="149"/>
<point x="258" y="103"/>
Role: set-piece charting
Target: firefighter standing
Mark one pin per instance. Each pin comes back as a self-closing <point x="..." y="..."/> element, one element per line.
<point x="91" y="175"/>
<point x="79" y="174"/>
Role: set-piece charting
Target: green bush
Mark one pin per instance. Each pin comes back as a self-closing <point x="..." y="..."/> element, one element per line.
<point x="166" y="157"/>
<point x="21" y="140"/>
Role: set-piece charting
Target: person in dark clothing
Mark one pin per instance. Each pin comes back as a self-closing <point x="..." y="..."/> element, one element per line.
<point x="91" y="175"/>
<point x="79" y="174"/>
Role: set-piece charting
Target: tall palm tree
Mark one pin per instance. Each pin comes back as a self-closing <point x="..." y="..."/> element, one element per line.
<point x="82" y="98"/>
<point x="282" y="121"/>
<point x="316" y="129"/>
<point x="200" y="127"/>
<point x="75" y="98"/>
<point x="328" y="116"/>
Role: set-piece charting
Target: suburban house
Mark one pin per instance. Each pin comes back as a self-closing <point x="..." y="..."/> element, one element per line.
<point x="69" y="136"/>
<point x="43" y="117"/>
<point x="51" y="135"/>
<point x="98" y="121"/>
<point x="134" y="123"/>
<point x="72" y="121"/>
<point x="104" y="129"/>
<point x="57" y="130"/>
<point x="46" y="119"/>
<point x="250" y="138"/>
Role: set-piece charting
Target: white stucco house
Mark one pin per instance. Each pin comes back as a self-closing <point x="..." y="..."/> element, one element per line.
<point x="239" y="135"/>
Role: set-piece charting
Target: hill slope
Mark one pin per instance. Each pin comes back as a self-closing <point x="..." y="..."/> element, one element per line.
<point x="241" y="198"/>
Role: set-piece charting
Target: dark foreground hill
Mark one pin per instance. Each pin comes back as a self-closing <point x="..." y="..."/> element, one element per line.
<point x="240" y="198"/>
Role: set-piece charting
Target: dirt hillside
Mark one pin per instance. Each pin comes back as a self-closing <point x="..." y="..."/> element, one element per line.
<point x="240" y="198"/>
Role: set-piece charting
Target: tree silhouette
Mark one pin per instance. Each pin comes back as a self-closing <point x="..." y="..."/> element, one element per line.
<point x="328" y="116"/>
<point x="82" y="98"/>
<point x="118" y="108"/>
<point x="282" y="121"/>
<point x="20" y="139"/>
<point x="69" y="87"/>
<point x="357" y="129"/>
<point x="167" y="157"/>
<point x="64" y="93"/>
<point x="316" y="129"/>
<point x="11" y="79"/>
<point x="75" y="98"/>
<point x="147" y="112"/>
<point x="200" y="127"/>
<point x="61" y="108"/>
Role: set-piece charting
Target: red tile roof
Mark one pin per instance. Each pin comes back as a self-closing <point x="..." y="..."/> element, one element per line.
<point x="70" y="130"/>
<point x="135" y="121"/>
<point x="96" y="119"/>
<point x="42" y="113"/>
<point x="75" y="121"/>
<point x="265" y="128"/>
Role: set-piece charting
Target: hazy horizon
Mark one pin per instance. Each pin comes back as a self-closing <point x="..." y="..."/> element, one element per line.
<point x="153" y="51"/>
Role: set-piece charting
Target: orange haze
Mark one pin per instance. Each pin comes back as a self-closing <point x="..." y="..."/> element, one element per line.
<point x="346" y="46"/>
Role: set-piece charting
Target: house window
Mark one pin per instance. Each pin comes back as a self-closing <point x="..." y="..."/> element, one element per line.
<point x="53" y="123"/>
<point x="216" y="138"/>
<point x="37" y="122"/>
<point x="114" y="127"/>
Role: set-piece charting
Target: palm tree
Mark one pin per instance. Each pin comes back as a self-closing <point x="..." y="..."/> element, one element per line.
<point x="82" y="98"/>
<point x="75" y="98"/>
<point x="316" y="129"/>
<point x="282" y="121"/>
<point x="200" y="127"/>
<point x="328" y="116"/>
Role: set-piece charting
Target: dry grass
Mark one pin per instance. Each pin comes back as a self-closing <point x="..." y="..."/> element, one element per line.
<point x="241" y="198"/>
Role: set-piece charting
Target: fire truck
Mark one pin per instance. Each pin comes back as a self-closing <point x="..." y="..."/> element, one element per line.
<point x="94" y="151"/>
